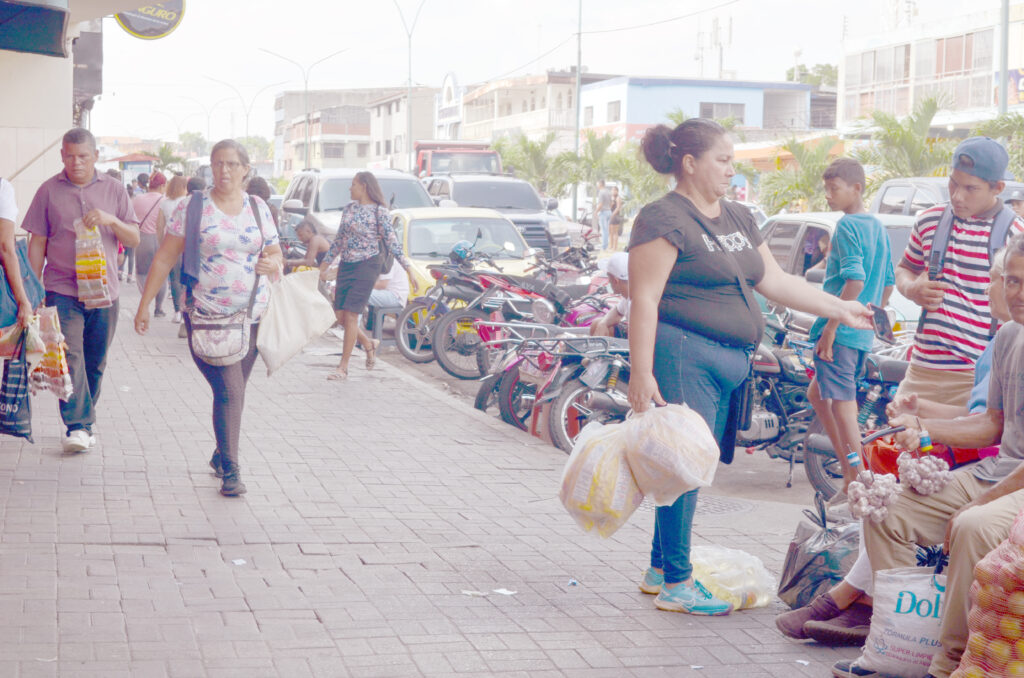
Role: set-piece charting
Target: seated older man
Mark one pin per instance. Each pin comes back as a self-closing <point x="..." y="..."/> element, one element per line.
<point x="973" y="514"/>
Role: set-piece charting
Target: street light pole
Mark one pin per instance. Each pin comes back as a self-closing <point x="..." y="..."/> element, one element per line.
<point x="208" y="111"/>
<point x="305" y="85"/>
<point x="408" y="89"/>
<point x="579" y="104"/>
<point x="247" y="108"/>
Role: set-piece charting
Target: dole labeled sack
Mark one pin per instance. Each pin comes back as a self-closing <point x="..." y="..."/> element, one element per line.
<point x="671" y="451"/>
<point x="905" y="624"/>
<point x="598" y="489"/>
<point x="995" y="646"/>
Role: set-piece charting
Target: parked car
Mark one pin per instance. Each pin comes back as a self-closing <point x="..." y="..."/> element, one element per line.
<point x="540" y="222"/>
<point x="912" y="194"/>
<point x="428" y="234"/>
<point x="321" y="195"/>
<point x="793" y="239"/>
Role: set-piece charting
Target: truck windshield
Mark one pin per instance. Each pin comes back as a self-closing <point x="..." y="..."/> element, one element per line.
<point x="497" y="195"/>
<point x="442" y="162"/>
<point x="401" y="193"/>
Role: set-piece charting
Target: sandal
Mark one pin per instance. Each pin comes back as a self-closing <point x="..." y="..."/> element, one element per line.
<point x="338" y="375"/>
<point x="371" y="354"/>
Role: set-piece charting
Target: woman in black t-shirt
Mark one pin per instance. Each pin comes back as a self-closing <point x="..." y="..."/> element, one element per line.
<point x="693" y="326"/>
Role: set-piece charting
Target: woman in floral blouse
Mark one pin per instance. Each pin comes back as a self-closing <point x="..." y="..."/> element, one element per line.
<point x="364" y="223"/>
<point x="237" y="243"/>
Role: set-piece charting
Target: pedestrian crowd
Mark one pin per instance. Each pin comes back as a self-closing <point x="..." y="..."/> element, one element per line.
<point x="217" y="248"/>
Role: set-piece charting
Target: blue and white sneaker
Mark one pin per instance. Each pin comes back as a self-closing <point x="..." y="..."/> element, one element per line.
<point x="652" y="581"/>
<point x="692" y="598"/>
<point x="844" y="668"/>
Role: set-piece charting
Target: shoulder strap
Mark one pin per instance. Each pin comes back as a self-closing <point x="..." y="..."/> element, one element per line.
<point x="940" y="240"/>
<point x="155" y="205"/>
<point x="748" y="295"/>
<point x="263" y="241"/>
<point x="1000" y="231"/>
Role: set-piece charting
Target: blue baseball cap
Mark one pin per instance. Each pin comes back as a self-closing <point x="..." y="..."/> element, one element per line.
<point x="982" y="157"/>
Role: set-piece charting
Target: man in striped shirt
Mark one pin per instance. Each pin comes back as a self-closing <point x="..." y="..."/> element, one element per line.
<point x="956" y="325"/>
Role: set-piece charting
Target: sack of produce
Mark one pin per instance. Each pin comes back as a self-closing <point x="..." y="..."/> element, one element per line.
<point x="671" y="451"/>
<point x="995" y="646"/>
<point x="598" y="488"/>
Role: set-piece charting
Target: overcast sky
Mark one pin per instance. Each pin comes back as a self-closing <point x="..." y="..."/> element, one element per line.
<point x="153" y="88"/>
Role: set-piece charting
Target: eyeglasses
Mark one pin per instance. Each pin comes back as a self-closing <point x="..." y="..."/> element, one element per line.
<point x="226" y="165"/>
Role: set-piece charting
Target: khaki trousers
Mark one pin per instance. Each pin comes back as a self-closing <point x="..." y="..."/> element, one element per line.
<point x="916" y="519"/>
<point x="951" y="387"/>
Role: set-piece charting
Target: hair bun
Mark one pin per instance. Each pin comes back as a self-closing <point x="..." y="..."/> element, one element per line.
<point x="657" y="148"/>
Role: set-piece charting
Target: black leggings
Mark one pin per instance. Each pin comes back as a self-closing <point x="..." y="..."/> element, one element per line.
<point x="228" y="385"/>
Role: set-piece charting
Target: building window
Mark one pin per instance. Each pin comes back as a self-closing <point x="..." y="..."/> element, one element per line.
<point x="558" y="101"/>
<point x="334" y="150"/>
<point x="614" y="111"/>
<point x="387" y="147"/>
<point x="569" y="105"/>
<point x="721" y="111"/>
<point x="378" y="110"/>
<point x="398" y="144"/>
<point x="533" y="104"/>
<point x="524" y="105"/>
<point x="362" y="150"/>
<point x="377" y="149"/>
<point x="398" y="105"/>
<point x="588" y="116"/>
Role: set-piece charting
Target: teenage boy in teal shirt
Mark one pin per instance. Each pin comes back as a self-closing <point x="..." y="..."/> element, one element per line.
<point x="859" y="266"/>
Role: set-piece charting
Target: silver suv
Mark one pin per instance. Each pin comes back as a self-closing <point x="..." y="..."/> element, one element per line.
<point x="321" y="195"/>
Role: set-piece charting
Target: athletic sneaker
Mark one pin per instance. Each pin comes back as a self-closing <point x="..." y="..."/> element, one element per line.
<point x="844" y="668"/>
<point x="177" y="316"/>
<point x="692" y="598"/>
<point x="652" y="581"/>
<point x="78" y="440"/>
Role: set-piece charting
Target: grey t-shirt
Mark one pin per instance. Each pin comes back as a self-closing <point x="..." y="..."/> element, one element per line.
<point x="1006" y="393"/>
<point x="604" y="199"/>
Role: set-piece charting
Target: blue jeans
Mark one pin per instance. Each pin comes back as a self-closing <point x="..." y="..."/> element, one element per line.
<point x="87" y="333"/>
<point x="604" y="218"/>
<point x="701" y="372"/>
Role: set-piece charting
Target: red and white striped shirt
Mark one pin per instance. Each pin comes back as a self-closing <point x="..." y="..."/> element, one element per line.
<point x="953" y="337"/>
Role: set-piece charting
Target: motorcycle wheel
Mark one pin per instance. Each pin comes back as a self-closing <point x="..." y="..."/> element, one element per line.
<point x="414" y="326"/>
<point x="822" y="468"/>
<point x="569" y="413"/>
<point x="487" y="394"/>
<point x="455" y="342"/>
<point x="515" y="399"/>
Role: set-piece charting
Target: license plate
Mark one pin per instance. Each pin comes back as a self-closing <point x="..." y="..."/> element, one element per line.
<point x="595" y="373"/>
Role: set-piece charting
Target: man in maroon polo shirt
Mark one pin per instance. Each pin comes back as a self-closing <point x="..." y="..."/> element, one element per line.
<point x="79" y="192"/>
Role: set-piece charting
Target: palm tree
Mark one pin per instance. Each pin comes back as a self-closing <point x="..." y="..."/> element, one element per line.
<point x="530" y="159"/>
<point x="592" y="164"/>
<point x="640" y="183"/>
<point x="904" y="148"/>
<point x="800" y="186"/>
<point x="165" y="159"/>
<point x="1008" y="128"/>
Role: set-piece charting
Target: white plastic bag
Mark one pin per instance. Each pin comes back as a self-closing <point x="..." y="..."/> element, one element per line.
<point x="297" y="314"/>
<point x="735" y="576"/>
<point x="671" y="450"/>
<point x="598" y="488"/>
<point x="909" y="602"/>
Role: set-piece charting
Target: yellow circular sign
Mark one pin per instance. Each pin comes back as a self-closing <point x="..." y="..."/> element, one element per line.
<point x="153" y="21"/>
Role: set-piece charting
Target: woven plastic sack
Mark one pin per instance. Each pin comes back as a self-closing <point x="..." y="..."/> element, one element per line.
<point x="905" y="623"/>
<point x="671" y="451"/>
<point x="297" y="314"/>
<point x="598" y="489"/>
<point x="735" y="576"/>
<point x="995" y="646"/>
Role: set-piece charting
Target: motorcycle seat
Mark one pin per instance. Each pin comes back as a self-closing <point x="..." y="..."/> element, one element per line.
<point x="892" y="370"/>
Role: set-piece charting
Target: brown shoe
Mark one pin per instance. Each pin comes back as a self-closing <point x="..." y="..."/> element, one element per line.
<point x="792" y="623"/>
<point x="849" y="628"/>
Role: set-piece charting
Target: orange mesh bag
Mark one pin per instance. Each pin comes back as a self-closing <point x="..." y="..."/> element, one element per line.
<point x="995" y="646"/>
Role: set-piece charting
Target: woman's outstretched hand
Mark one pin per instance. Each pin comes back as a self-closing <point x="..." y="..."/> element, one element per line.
<point x="642" y="390"/>
<point x="854" y="314"/>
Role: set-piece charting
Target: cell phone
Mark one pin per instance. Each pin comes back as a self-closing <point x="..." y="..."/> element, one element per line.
<point x="883" y="330"/>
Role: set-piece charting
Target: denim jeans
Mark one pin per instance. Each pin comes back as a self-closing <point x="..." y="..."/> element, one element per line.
<point x="701" y="372"/>
<point x="87" y="334"/>
<point x="604" y="219"/>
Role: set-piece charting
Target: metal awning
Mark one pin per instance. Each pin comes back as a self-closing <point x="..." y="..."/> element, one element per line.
<point x="34" y="26"/>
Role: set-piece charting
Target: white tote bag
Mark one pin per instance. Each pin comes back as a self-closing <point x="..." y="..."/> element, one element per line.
<point x="296" y="315"/>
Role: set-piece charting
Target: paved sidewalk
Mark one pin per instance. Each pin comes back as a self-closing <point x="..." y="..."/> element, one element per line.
<point x="372" y="505"/>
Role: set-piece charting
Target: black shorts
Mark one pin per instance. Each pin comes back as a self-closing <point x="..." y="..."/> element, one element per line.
<point x="354" y="284"/>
